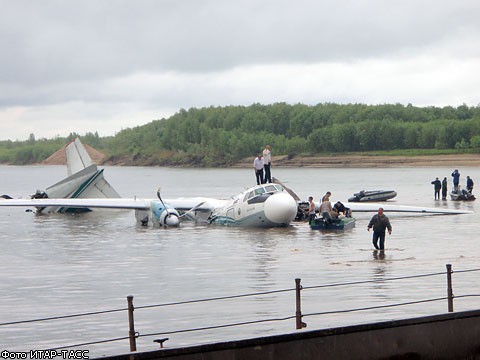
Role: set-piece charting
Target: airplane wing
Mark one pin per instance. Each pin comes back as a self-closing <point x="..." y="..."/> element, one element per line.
<point x="373" y="207"/>
<point x="181" y="204"/>
<point x="139" y="204"/>
<point x="199" y="203"/>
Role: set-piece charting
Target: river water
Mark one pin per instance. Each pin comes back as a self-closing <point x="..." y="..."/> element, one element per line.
<point x="58" y="265"/>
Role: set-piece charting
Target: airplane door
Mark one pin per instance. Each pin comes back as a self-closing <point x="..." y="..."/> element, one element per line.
<point x="231" y="213"/>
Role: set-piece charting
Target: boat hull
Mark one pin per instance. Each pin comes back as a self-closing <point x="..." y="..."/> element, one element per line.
<point x="334" y="224"/>
<point x="374" y="195"/>
<point x="462" y="196"/>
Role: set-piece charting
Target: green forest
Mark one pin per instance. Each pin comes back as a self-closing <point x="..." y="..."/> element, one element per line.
<point x="215" y="136"/>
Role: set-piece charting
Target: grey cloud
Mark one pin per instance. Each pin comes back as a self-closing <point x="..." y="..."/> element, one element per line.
<point x="57" y="41"/>
<point x="102" y="59"/>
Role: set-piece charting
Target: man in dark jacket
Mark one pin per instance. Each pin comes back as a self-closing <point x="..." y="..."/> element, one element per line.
<point x="456" y="180"/>
<point x="444" y="188"/>
<point x="437" y="185"/>
<point x="380" y="223"/>
<point x="469" y="184"/>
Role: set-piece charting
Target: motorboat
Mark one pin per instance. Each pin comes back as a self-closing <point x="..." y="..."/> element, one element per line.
<point x="373" y="195"/>
<point x="462" y="195"/>
<point x="342" y="223"/>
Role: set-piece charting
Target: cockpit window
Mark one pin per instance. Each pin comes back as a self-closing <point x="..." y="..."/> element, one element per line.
<point x="259" y="191"/>
<point x="248" y="195"/>
<point x="271" y="188"/>
<point x="279" y="187"/>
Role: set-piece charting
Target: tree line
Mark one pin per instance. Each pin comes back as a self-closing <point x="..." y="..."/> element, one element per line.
<point x="214" y="136"/>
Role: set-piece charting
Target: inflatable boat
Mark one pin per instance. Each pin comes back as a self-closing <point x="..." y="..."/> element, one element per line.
<point x="373" y="195"/>
<point x="462" y="195"/>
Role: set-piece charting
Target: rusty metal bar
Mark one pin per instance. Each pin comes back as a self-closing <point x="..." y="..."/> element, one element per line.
<point x="131" y="324"/>
<point x="298" y="313"/>
<point x="449" y="288"/>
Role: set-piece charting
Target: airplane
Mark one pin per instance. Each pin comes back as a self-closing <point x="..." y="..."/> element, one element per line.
<point x="267" y="205"/>
<point x="85" y="189"/>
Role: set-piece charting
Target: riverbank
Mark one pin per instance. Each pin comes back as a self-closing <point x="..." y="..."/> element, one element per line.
<point x="332" y="161"/>
<point x="369" y="161"/>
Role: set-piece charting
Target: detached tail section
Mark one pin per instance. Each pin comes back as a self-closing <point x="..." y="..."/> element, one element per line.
<point x="77" y="157"/>
<point x="84" y="180"/>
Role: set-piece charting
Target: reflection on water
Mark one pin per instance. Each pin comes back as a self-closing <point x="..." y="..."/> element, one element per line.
<point x="65" y="264"/>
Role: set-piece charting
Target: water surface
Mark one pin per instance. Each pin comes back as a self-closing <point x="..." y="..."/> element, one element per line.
<point x="66" y="264"/>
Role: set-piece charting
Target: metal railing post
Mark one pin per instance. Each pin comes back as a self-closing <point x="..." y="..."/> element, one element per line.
<point x="449" y="288"/>
<point x="131" y="324"/>
<point x="298" y="313"/>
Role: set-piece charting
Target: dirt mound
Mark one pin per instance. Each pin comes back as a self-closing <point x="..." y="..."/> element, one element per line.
<point x="59" y="157"/>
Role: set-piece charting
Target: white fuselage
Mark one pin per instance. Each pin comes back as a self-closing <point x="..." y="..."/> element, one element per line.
<point x="266" y="205"/>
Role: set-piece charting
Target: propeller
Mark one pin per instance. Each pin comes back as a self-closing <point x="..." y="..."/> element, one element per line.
<point x="192" y="209"/>
<point x="170" y="219"/>
<point x="290" y="191"/>
<point x="160" y="197"/>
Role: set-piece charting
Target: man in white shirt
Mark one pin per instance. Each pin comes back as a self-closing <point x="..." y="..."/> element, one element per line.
<point x="258" y="167"/>
<point x="267" y="161"/>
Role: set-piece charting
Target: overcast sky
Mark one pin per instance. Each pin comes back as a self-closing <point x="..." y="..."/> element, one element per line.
<point x="86" y="66"/>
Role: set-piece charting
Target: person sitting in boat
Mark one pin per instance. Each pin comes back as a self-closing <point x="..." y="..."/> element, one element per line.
<point x="469" y="184"/>
<point x="326" y="209"/>
<point x="342" y="209"/>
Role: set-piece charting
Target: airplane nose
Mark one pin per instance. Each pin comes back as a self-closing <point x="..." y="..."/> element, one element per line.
<point x="280" y="208"/>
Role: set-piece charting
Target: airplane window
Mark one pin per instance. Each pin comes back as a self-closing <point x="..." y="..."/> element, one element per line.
<point x="271" y="188"/>
<point x="259" y="191"/>
<point x="248" y="196"/>
<point x="279" y="187"/>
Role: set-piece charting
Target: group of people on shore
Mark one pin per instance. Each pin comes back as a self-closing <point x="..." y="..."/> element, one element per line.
<point x="261" y="164"/>
<point x="443" y="185"/>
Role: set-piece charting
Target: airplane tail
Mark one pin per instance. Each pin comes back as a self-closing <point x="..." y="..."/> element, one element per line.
<point x="77" y="157"/>
<point x="84" y="180"/>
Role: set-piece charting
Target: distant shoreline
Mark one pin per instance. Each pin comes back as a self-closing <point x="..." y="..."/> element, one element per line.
<point x="333" y="161"/>
<point x="372" y="161"/>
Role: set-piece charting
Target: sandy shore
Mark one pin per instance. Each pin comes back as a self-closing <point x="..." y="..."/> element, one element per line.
<point x="368" y="161"/>
<point x="352" y="161"/>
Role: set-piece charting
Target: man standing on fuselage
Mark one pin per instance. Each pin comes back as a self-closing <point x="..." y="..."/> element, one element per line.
<point x="258" y="167"/>
<point x="380" y="223"/>
<point x="267" y="163"/>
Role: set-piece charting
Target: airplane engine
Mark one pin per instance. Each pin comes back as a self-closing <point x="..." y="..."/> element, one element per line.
<point x="169" y="217"/>
<point x="164" y="214"/>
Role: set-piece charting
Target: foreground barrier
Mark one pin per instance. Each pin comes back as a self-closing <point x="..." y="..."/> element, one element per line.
<point x="298" y="317"/>
<point x="449" y="336"/>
